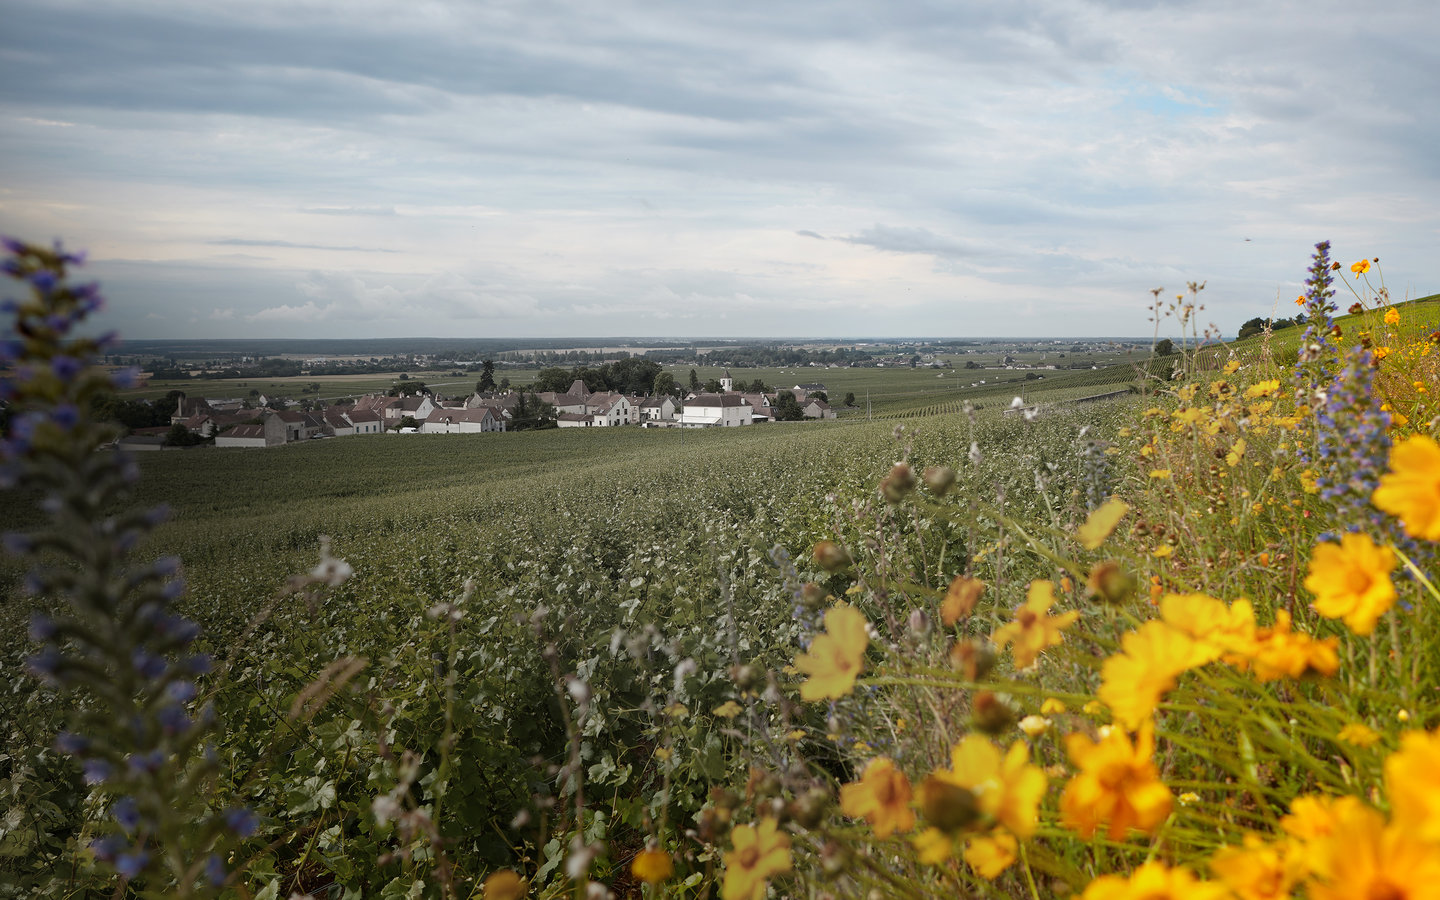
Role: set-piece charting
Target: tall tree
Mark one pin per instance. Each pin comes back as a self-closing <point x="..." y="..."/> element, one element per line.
<point x="487" y="377"/>
<point x="694" y="380"/>
<point x="664" y="385"/>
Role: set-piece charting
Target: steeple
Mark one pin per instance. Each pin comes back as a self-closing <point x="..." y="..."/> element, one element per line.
<point x="727" y="383"/>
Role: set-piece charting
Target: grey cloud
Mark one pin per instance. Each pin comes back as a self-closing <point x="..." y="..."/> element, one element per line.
<point x="915" y="240"/>
<point x="248" y="242"/>
<point x="350" y="210"/>
<point x="811" y="234"/>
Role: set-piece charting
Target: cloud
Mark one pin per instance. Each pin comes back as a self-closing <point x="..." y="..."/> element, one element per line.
<point x="246" y="242"/>
<point x="811" y="234"/>
<point x="305" y="313"/>
<point x="899" y="239"/>
<point x="351" y="211"/>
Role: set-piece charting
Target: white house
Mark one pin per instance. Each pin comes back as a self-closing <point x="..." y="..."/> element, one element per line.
<point x="610" y="409"/>
<point x="716" y="410"/>
<point x="461" y="421"/>
<point x="657" y="409"/>
<point x="816" y="409"/>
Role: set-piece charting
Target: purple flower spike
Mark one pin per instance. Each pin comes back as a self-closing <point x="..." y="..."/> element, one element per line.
<point x="66" y="416"/>
<point x="166" y="566"/>
<point x="66" y="367"/>
<point x="126" y="378"/>
<point x="148" y="665"/>
<point x="215" y="870"/>
<point x="70" y="743"/>
<point x="45" y="664"/>
<point x="174" y="589"/>
<point x="96" y="771"/>
<point x="44" y="280"/>
<point x="107" y="848"/>
<point x="42" y="628"/>
<point x="200" y="664"/>
<point x="181" y="691"/>
<point x="146" y="762"/>
<point x="131" y="864"/>
<point x="241" y="820"/>
<point x="16" y="543"/>
<point x="127" y="813"/>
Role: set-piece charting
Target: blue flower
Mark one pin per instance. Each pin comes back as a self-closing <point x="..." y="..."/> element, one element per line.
<point x="71" y="743"/>
<point x="215" y="870"/>
<point x="127" y="813"/>
<point x="241" y="820"/>
<point x="131" y="864"/>
<point x="96" y="771"/>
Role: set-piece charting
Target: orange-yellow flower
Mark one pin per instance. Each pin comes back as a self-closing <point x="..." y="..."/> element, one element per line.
<point x="1412" y="781"/>
<point x="504" y="885"/>
<point x="1281" y="652"/>
<point x="1358" y="734"/>
<point x="652" y="866"/>
<point x="1351" y="580"/>
<point x="1154" y="881"/>
<point x="1101" y="522"/>
<point x="1364" y="858"/>
<point x="1216" y="629"/>
<point x="836" y="657"/>
<point x="1392" y="316"/>
<point x="1410" y="491"/>
<point x="1032" y="630"/>
<point x="759" y="853"/>
<point x="1151" y="658"/>
<point x="1257" y="870"/>
<point x="991" y="854"/>
<point x="1117" y="783"/>
<point x="981" y="788"/>
<point x="881" y="797"/>
<point x="960" y="599"/>
<point x="1361" y="267"/>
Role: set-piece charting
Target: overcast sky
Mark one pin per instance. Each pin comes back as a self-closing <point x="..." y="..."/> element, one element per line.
<point x="364" y="168"/>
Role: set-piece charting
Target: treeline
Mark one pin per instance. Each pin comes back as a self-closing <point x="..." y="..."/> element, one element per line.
<point x="757" y="357"/>
<point x="628" y="376"/>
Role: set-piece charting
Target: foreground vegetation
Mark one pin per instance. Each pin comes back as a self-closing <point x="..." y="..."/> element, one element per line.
<point x="1156" y="648"/>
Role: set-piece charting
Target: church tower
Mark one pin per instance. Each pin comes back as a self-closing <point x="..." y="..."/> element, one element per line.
<point x="727" y="384"/>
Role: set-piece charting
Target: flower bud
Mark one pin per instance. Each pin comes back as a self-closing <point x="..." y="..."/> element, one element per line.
<point x="991" y="714"/>
<point x="1111" y="583"/>
<point x="762" y="785"/>
<point x="809" y="809"/>
<point x="898" y="483"/>
<point x="919" y="623"/>
<point x="972" y="659"/>
<point x="939" y="479"/>
<point x="747" y="677"/>
<point x="831" y="557"/>
<point x="812" y="595"/>
<point x="949" y="807"/>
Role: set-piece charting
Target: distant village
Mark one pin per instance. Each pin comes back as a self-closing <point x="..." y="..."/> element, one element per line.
<point x="236" y="423"/>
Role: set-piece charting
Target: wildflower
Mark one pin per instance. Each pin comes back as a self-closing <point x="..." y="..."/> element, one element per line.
<point x="1365" y="858"/>
<point x="1410" y="490"/>
<point x="1411" y="784"/>
<point x="881" y="797"/>
<point x="1151" y="658"/>
<point x="652" y="866"/>
<point x="1282" y="652"/>
<point x="836" y="657"/>
<point x="1392" y="316"/>
<point x="1361" y="267"/>
<point x="991" y="854"/>
<point x="1358" y="734"/>
<point x="1052" y="707"/>
<point x="727" y="710"/>
<point x="504" y="885"/>
<point x="1101" y="522"/>
<point x="1032" y="630"/>
<point x="1258" y="871"/>
<point x="1163" y="551"/>
<point x="1217" y="630"/>
<point x="1351" y="580"/>
<point x="759" y="853"/>
<point x="1153" y="881"/>
<point x="960" y="598"/>
<point x="1189" y="798"/>
<point x="1034" y="726"/>
<point x="1117" y="783"/>
<point x="981" y="787"/>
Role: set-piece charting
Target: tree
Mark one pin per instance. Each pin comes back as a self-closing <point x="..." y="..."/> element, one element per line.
<point x="1164" y="347"/>
<point x="850" y="398"/>
<point x="664" y="385"/>
<point x="758" y="387"/>
<point x="820" y="395"/>
<point x="487" y="377"/>
<point x="712" y="386"/>
<point x="407" y="422"/>
<point x="787" y="408"/>
<point x="553" y="378"/>
<point x="505" y="384"/>
<point x="694" y="380"/>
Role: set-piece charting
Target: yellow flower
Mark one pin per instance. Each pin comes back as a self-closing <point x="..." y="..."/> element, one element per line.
<point x="1300" y="300"/>
<point x="1052" y="707"/>
<point x="1189" y="798"/>
<point x="881" y="797"/>
<point x="1101" y="523"/>
<point x="1351" y="580"/>
<point x="1358" y="734"/>
<point x="1159" y="473"/>
<point x="1262" y="389"/>
<point x="652" y="866"/>
<point x="1363" y="858"/>
<point x="504" y="885"/>
<point x="1032" y="630"/>
<point x="1281" y="652"/>
<point x="1006" y="789"/>
<point x="759" y="853"/>
<point x="1412" y="781"/>
<point x="1410" y="491"/>
<point x="727" y="710"/>
<point x="1151" y="657"/>
<point x="1154" y="881"/>
<point x="1163" y="551"/>
<point x="1361" y="267"/>
<point x="1034" y="726"/>
<point x="1392" y="316"/>
<point x="960" y="599"/>
<point x="989" y="855"/>
<point x="1237" y="453"/>
<point x="836" y="657"/>
<point x="1117" y="783"/>
<point x="1217" y="630"/>
<point x="1258" y="871"/>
